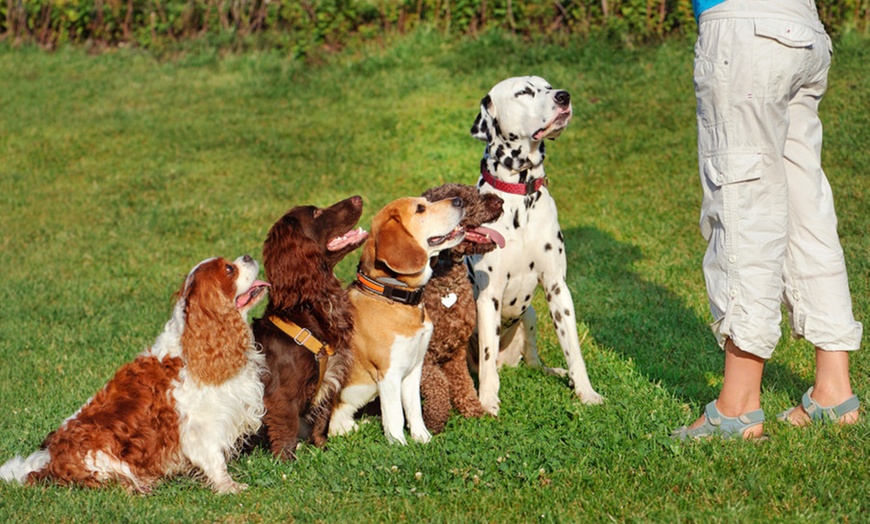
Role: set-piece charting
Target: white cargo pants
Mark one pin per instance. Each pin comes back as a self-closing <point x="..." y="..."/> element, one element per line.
<point x="768" y="211"/>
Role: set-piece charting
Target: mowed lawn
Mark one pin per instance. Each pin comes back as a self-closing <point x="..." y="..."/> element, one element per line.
<point x="119" y="172"/>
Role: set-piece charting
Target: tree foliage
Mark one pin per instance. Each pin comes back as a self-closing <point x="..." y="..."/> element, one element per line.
<point x="300" y="25"/>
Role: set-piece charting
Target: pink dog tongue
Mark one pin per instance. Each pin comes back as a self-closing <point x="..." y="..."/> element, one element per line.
<point x="491" y="234"/>
<point x="353" y="236"/>
<point x="252" y="294"/>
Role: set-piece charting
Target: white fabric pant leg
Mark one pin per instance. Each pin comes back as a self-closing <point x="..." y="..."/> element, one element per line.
<point x="816" y="284"/>
<point x="767" y="211"/>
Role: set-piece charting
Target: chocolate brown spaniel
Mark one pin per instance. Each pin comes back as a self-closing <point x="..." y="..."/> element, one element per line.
<point x="307" y="326"/>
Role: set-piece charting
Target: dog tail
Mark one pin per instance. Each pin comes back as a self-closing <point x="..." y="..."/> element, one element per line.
<point x="18" y="468"/>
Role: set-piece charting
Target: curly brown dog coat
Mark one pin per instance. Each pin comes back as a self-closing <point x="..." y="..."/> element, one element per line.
<point x="299" y="255"/>
<point x="449" y="301"/>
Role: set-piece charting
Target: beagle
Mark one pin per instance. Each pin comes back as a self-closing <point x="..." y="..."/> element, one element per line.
<point x="391" y="327"/>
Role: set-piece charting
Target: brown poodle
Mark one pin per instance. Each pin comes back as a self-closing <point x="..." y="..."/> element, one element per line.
<point x="449" y="301"/>
<point x="308" y="323"/>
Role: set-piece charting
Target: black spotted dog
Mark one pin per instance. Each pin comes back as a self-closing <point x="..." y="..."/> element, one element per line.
<point x="515" y="118"/>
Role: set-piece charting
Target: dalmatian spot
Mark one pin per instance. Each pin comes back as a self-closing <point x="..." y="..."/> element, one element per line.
<point x="557" y="317"/>
<point x="495" y="303"/>
<point x="497" y="128"/>
<point x="516" y="219"/>
<point x="531" y="266"/>
<point x="513" y="302"/>
<point x="567" y="312"/>
<point x="528" y="297"/>
<point x="486" y="353"/>
<point x="548" y="246"/>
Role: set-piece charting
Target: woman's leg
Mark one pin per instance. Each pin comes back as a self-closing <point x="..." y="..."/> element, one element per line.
<point x="741" y="390"/>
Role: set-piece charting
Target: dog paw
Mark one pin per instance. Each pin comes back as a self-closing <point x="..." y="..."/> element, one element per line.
<point x="556" y="372"/>
<point x="490" y="405"/>
<point x="337" y="428"/>
<point x="230" y="487"/>
<point x="590" y="397"/>
<point x="421" y="437"/>
<point x="397" y="439"/>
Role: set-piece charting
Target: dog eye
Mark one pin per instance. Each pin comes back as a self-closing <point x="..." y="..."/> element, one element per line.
<point x="421" y="208"/>
<point x="230" y="269"/>
<point x="526" y="91"/>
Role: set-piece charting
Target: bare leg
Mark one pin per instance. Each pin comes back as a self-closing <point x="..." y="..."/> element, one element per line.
<point x="741" y="390"/>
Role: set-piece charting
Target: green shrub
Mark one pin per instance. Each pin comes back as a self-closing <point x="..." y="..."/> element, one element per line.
<point x="300" y="25"/>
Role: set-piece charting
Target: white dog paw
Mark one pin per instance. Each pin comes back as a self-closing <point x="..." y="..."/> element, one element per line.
<point x="421" y="437"/>
<point x="342" y="428"/>
<point x="590" y="397"/>
<point x="490" y="405"/>
<point x="230" y="487"/>
<point x="396" y="439"/>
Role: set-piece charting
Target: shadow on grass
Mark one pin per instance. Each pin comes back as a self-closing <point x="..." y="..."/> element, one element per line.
<point x="647" y="322"/>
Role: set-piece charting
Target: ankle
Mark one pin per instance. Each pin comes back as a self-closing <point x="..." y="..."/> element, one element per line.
<point x="730" y="408"/>
<point x="830" y="394"/>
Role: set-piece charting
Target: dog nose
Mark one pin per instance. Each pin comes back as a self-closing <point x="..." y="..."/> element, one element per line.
<point x="247" y="258"/>
<point x="563" y="98"/>
<point x="458" y="202"/>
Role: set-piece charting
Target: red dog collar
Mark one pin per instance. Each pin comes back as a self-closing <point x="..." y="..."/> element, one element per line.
<point x="530" y="187"/>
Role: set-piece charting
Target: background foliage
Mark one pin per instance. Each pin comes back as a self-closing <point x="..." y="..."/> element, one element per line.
<point x="299" y="26"/>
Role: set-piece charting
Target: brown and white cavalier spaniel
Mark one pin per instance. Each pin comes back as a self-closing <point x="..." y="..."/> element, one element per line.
<point x="181" y="406"/>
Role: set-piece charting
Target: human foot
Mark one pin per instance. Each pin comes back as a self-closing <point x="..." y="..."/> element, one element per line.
<point x="749" y="425"/>
<point x="810" y="410"/>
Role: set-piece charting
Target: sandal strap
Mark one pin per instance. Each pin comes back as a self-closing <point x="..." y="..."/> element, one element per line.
<point x="830" y="413"/>
<point x="732" y="426"/>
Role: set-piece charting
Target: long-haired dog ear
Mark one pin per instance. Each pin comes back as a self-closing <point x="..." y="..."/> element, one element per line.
<point x="215" y="335"/>
<point x="293" y="262"/>
<point x="482" y="127"/>
<point x="398" y="250"/>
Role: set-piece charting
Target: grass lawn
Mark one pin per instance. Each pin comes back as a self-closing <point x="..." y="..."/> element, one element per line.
<point x="120" y="172"/>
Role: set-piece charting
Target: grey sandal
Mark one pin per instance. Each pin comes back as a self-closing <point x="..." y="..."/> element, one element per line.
<point x="718" y="425"/>
<point x="818" y="413"/>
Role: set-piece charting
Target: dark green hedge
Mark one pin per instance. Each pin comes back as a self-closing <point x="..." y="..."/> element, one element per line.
<point x="300" y="25"/>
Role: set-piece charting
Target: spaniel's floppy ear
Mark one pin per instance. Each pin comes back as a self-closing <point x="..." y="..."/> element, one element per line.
<point x="215" y="335"/>
<point x="294" y="263"/>
<point x="398" y="249"/>
<point x="482" y="127"/>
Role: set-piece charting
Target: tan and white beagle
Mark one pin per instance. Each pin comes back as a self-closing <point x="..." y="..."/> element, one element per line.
<point x="391" y="328"/>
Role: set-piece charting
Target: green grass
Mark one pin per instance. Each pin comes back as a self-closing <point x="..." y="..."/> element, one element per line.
<point x="119" y="173"/>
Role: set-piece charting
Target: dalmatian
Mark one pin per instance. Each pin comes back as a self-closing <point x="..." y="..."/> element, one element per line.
<point x="516" y="116"/>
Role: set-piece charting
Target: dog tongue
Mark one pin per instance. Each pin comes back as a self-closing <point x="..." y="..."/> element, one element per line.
<point x="253" y="294"/>
<point x="353" y="236"/>
<point x="491" y="234"/>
